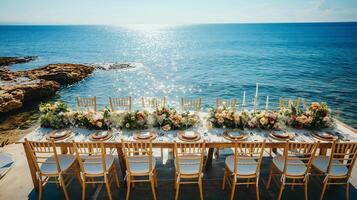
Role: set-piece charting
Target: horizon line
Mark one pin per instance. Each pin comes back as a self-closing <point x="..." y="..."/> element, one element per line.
<point x="178" y="24"/>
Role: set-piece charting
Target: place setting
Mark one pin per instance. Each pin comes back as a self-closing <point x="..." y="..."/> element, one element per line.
<point x="235" y="135"/>
<point x="144" y="135"/>
<point x="188" y="136"/>
<point x="101" y="136"/>
<point x="59" y="135"/>
<point x="324" y="136"/>
<point x="281" y="135"/>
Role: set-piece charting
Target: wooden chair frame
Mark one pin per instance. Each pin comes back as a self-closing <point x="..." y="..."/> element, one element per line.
<point x="139" y="150"/>
<point x="345" y="154"/>
<point x="188" y="104"/>
<point x="39" y="153"/>
<point x="189" y="151"/>
<point x="304" y="152"/>
<point x="244" y="153"/>
<point x="92" y="152"/>
<point x="120" y="102"/>
<point x="153" y="102"/>
<point x="88" y="103"/>
<point x="230" y="103"/>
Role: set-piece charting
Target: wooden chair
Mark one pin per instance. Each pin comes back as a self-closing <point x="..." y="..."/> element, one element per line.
<point x="87" y="103"/>
<point x="95" y="164"/>
<point x="188" y="104"/>
<point x="120" y="104"/>
<point x="230" y="103"/>
<point x="189" y="163"/>
<point x="244" y="164"/>
<point x="152" y="102"/>
<point x="140" y="162"/>
<point x="337" y="167"/>
<point x="286" y="103"/>
<point x="50" y="166"/>
<point x="294" y="165"/>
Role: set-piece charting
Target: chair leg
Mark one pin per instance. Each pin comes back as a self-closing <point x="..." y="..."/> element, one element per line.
<point x="323" y="189"/>
<point x="40" y="190"/>
<point x="175" y="180"/>
<point x="347" y="190"/>
<point x="224" y="178"/>
<point x="234" y="183"/>
<point x="152" y="181"/>
<point x="270" y="176"/>
<point x="128" y="185"/>
<point x="281" y="190"/>
<point x="177" y="190"/>
<point x="200" y="187"/>
<point x="257" y="189"/>
<point x="83" y="190"/>
<point x="64" y="188"/>
<point x="155" y="178"/>
<point x="116" y="177"/>
<point x="107" y="184"/>
<point x="305" y="188"/>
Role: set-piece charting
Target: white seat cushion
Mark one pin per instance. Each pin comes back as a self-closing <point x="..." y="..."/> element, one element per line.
<point x="294" y="170"/>
<point x="189" y="166"/>
<point x="321" y="163"/>
<point x="140" y="164"/>
<point x="243" y="169"/>
<point x="95" y="166"/>
<point x="65" y="161"/>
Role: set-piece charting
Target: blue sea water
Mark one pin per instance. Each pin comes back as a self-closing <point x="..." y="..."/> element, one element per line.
<point x="316" y="61"/>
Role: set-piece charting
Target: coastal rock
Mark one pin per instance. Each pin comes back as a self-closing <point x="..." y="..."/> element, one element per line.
<point x="15" y="96"/>
<point x="6" y="61"/>
<point x="61" y="73"/>
<point x="21" y="87"/>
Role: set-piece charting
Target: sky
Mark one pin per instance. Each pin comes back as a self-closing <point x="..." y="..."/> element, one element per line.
<point x="117" y="12"/>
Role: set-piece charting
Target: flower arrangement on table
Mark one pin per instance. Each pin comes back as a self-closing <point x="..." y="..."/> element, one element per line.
<point x="316" y="116"/>
<point x="57" y="115"/>
<point x="170" y="119"/>
<point x="52" y="114"/>
<point x="128" y="120"/>
<point x="224" y="117"/>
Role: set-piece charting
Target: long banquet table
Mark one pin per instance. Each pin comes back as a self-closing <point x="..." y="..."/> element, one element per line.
<point x="213" y="138"/>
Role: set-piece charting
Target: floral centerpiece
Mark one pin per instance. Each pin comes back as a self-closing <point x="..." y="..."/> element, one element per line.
<point x="268" y="120"/>
<point x="52" y="115"/>
<point x="224" y="117"/>
<point x="88" y="119"/>
<point x="128" y="120"/>
<point x="170" y="119"/>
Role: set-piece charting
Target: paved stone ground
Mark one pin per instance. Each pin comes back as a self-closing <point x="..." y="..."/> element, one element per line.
<point x="17" y="184"/>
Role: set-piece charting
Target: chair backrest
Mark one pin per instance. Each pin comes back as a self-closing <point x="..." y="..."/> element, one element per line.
<point x="41" y="152"/>
<point x="190" y="155"/>
<point x="90" y="153"/>
<point x="343" y="154"/>
<point x="137" y="153"/>
<point x="229" y="103"/>
<point x="295" y="152"/>
<point x="87" y="103"/>
<point x="118" y="103"/>
<point x="286" y="103"/>
<point x="188" y="104"/>
<point x="152" y="102"/>
<point x="248" y="154"/>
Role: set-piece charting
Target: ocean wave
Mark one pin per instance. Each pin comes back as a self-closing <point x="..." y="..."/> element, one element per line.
<point x="117" y="66"/>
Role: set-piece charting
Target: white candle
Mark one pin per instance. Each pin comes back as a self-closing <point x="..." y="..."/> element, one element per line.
<point x="243" y="99"/>
<point x="267" y="102"/>
<point x="256" y="90"/>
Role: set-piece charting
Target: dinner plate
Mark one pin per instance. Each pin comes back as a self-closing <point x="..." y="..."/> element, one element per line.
<point x="281" y="134"/>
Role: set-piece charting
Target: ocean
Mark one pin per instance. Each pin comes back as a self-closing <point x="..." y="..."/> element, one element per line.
<point x="315" y="61"/>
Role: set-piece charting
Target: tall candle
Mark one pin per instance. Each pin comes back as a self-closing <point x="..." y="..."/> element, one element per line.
<point x="243" y="104"/>
<point x="267" y="102"/>
<point x="256" y="90"/>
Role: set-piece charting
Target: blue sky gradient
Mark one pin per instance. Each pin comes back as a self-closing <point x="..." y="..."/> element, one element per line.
<point x="117" y="12"/>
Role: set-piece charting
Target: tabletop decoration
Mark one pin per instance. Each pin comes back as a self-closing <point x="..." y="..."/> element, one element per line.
<point x="224" y="117"/>
<point x="52" y="115"/>
<point x="170" y="119"/>
<point x="128" y="120"/>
